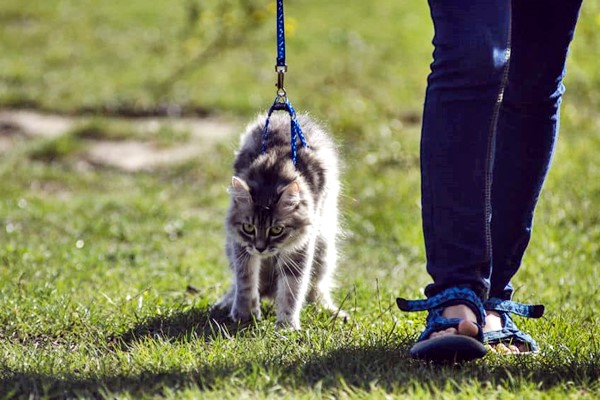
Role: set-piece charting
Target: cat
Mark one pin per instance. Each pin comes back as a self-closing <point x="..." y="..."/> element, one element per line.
<point x="282" y="224"/>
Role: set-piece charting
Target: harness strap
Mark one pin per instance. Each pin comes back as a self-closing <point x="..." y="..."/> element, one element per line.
<point x="295" y="130"/>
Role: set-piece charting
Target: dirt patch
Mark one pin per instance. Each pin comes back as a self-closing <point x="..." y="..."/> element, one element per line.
<point x="131" y="156"/>
<point x="207" y="130"/>
<point x="127" y="155"/>
<point x="31" y="123"/>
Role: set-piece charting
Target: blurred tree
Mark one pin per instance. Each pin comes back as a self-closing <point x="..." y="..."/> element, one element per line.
<point x="215" y="26"/>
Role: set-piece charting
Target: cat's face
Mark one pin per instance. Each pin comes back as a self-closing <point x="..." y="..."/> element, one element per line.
<point x="266" y="224"/>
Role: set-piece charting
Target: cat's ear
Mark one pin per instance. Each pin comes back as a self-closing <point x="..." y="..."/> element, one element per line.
<point x="239" y="184"/>
<point x="240" y="191"/>
<point x="290" y="195"/>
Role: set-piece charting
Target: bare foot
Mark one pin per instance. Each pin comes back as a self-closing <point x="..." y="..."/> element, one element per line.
<point x="493" y="322"/>
<point x="466" y="327"/>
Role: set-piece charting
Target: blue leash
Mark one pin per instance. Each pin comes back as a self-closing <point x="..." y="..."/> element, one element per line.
<point x="282" y="103"/>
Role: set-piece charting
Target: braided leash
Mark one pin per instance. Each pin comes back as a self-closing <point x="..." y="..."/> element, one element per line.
<point x="282" y="103"/>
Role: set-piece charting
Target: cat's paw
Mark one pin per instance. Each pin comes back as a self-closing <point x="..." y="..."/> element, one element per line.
<point x="225" y="303"/>
<point x="287" y="324"/>
<point x="243" y="314"/>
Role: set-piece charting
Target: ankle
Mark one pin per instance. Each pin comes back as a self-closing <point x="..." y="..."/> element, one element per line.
<point x="493" y="321"/>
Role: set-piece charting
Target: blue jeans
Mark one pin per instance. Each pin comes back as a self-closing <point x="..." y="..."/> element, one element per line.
<point x="490" y="123"/>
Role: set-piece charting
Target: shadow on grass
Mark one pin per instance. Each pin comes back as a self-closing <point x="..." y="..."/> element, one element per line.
<point x="382" y="363"/>
<point x="359" y="368"/>
<point x="191" y="324"/>
<point x="389" y="367"/>
<point x="33" y="385"/>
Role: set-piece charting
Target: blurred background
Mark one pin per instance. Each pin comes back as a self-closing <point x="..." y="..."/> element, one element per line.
<point x="206" y="56"/>
<point x="360" y="67"/>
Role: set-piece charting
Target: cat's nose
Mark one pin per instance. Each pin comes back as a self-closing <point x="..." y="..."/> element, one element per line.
<point x="260" y="247"/>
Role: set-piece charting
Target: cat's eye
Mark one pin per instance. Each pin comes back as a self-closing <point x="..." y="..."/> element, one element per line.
<point x="248" y="229"/>
<point x="276" y="230"/>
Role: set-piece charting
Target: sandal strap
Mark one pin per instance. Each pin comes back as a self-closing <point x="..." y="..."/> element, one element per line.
<point x="524" y="310"/>
<point x="510" y="333"/>
<point x="436" y="322"/>
<point x="448" y="297"/>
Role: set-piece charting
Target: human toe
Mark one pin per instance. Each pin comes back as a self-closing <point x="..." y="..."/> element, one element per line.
<point x="468" y="328"/>
<point x="443" y="332"/>
<point x="514" y="349"/>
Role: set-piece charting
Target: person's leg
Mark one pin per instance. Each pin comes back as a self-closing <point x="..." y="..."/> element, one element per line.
<point x="464" y="89"/>
<point x="527" y="127"/>
<point x="541" y="31"/>
<point x="466" y="83"/>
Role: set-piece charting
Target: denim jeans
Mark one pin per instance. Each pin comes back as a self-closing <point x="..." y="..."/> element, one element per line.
<point x="490" y="123"/>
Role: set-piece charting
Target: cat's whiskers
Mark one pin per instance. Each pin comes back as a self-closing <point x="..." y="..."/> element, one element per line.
<point x="289" y="263"/>
<point x="241" y="258"/>
<point x="292" y="265"/>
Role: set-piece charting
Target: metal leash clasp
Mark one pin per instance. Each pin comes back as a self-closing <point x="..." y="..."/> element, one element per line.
<point x="281" y="100"/>
<point x="282" y="103"/>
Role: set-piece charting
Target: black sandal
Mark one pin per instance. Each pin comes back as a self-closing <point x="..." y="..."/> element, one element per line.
<point x="447" y="348"/>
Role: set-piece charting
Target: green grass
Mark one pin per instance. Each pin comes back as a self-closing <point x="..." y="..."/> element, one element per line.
<point x="106" y="277"/>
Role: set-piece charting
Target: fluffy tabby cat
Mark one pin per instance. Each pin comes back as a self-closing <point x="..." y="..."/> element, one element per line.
<point x="282" y="222"/>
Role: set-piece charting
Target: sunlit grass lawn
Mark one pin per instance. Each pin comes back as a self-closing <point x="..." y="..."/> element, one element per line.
<point x="106" y="277"/>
